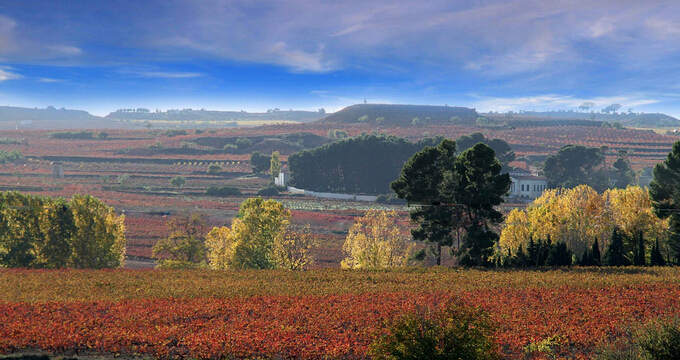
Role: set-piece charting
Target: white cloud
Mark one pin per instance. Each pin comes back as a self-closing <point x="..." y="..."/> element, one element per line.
<point x="49" y="80"/>
<point x="7" y="74"/>
<point x="549" y="102"/>
<point x="169" y="75"/>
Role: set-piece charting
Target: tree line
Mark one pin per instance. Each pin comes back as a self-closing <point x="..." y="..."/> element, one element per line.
<point x="41" y="232"/>
<point x="575" y="165"/>
<point x="368" y="163"/>
<point x="260" y="237"/>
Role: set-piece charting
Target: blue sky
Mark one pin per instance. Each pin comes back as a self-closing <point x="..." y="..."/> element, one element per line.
<point x="306" y="54"/>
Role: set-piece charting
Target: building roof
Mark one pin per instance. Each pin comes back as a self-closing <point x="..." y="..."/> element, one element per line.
<point x="529" y="177"/>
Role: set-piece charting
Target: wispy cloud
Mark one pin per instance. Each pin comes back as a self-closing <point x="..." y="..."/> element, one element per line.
<point x="49" y="80"/>
<point x="7" y="74"/>
<point x="168" y="75"/>
<point x="553" y="102"/>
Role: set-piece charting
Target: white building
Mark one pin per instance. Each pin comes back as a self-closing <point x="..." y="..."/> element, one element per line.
<point x="282" y="179"/>
<point x="526" y="184"/>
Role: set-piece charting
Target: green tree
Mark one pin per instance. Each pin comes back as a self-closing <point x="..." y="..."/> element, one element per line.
<point x="178" y="181"/>
<point x="559" y="255"/>
<point x="99" y="234"/>
<point x="639" y="253"/>
<point x="20" y="229"/>
<point x="622" y="172"/>
<point x="616" y="253"/>
<point x="259" y="162"/>
<point x="39" y="232"/>
<point x="458" y="192"/>
<point x="275" y="165"/>
<point x="57" y="226"/>
<point x="665" y="194"/>
<point x="185" y="246"/>
<point x="504" y="152"/>
<point x="575" y="165"/>
<point x="420" y="184"/>
<point x="656" y="258"/>
<point x="478" y="186"/>
<point x="595" y="253"/>
<point x="257" y="227"/>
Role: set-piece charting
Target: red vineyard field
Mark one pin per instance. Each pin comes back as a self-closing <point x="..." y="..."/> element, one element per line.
<point x="319" y="327"/>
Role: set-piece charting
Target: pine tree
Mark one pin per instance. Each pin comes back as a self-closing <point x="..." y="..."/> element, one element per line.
<point x="616" y="253"/>
<point x="595" y="254"/>
<point x="665" y="195"/>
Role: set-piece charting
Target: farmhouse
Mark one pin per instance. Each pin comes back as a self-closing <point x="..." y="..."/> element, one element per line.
<point x="526" y="184"/>
<point x="282" y="179"/>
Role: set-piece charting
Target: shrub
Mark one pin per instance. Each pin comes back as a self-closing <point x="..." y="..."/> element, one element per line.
<point x="172" y="132"/>
<point x="243" y="143"/>
<point x="222" y="191"/>
<point x="9" y="156"/>
<point x="73" y="135"/>
<point x="230" y="147"/>
<point x="214" y="169"/>
<point x="270" y="191"/>
<point x="450" y="332"/>
<point x="389" y="199"/>
<point x="657" y="340"/>
<point x="660" y="340"/>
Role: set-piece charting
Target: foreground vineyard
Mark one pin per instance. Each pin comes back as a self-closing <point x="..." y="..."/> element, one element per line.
<point x="316" y="314"/>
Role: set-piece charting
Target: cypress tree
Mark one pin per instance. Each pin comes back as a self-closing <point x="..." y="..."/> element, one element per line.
<point x="656" y="258"/>
<point x="640" y="253"/>
<point x="596" y="257"/>
<point x="616" y="253"/>
<point x="520" y="257"/>
<point x="532" y="252"/>
<point x="586" y="258"/>
<point x="559" y="255"/>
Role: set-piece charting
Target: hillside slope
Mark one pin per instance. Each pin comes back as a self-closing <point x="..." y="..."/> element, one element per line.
<point x="402" y="114"/>
<point x="11" y="113"/>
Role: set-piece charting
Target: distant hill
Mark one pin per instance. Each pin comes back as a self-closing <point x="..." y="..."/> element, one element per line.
<point x="10" y="113"/>
<point x="402" y="114"/>
<point x="563" y="117"/>
<point x="207" y="115"/>
<point x="652" y="120"/>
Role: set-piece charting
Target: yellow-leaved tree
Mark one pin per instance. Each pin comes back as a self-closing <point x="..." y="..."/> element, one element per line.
<point x="374" y="242"/>
<point x="219" y="244"/>
<point x="631" y="211"/>
<point x="99" y="237"/>
<point x="185" y="246"/>
<point x="259" y="238"/>
<point x="292" y="251"/>
<point x="577" y="216"/>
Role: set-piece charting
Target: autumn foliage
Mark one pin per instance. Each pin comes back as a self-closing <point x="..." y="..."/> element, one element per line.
<point x="578" y="216"/>
<point x="334" y="314"/>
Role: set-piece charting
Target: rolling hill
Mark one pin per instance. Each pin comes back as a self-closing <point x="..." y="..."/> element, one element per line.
<point x="402" y="114"/>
